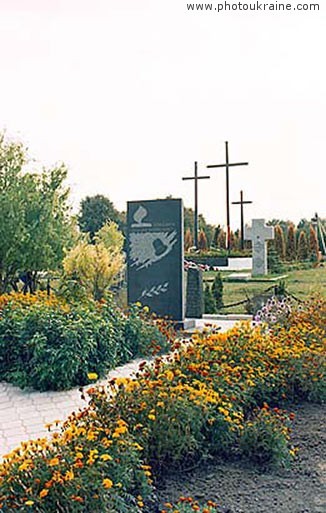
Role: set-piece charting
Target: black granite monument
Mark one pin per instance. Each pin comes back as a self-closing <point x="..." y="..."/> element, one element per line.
<point x="155" y="256"/>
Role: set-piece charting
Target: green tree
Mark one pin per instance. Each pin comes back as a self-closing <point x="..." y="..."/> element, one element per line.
<point x="274" y="262"/>
<point x="217" y="231"/>
<point x="303" y="248"/>
<point x="203" y="225"/>
<point x="209" y="302"/>
<point x="35" y="225"/>
<point x="217" y="291"/>
<point x="95" y="212"/>
<point x="207" y="228"/>
<point x="290" y="243"/>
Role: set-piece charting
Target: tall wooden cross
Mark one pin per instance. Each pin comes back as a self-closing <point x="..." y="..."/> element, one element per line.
<point x="227" y="165"/>
<point x="195" y="178"/>
<point x="241" y="202"/>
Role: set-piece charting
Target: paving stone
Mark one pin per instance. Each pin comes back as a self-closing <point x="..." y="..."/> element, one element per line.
<point x="28" y="411"/>
<point x="11" y="424"/>
<point x="4" y="405"/>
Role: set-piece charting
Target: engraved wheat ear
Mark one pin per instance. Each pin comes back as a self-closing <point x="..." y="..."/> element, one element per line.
<point x="155" y="290"/>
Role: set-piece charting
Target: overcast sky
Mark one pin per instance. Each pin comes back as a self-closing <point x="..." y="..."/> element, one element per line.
<point x="129" y="93"/>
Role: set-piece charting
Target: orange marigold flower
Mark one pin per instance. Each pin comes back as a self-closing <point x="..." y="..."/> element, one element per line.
<point x="107" y="483"/>
<point x="54" y="462"/>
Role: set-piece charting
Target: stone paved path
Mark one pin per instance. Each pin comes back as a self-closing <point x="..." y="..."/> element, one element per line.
<point x="23" y="414"/>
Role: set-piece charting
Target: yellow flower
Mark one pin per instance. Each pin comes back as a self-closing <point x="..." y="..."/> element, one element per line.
<point x="105" y="457"/>
<point x="24" y="465"/>
<point x="29" y="503"/>
<point x="107" y="483"/>
<point x="151" y="416"/>
<point x="92" y="375"/>
<point x="69" y="475"/>
<point x="54" y="462"/>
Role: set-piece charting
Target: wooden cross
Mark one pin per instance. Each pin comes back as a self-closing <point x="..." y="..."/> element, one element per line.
<point x="241" y="202"/>
<point x="227" y="165"/>
<point x="196" y="178"/>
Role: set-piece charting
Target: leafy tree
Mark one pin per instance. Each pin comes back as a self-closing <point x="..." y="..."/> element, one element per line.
<point x="279" y="242"/>
<point x="217" y="291"/>
<point x="290" y="243"/>
<point x="207" y="228"/>
<point x="90" y="269"/>
<point x="95" y="212"/>
<point x="203" y="225"/>
<point x="35" y="225"/>
<point x="217" y="231"/>
<point x="202" y="241"/>
<point x="303" y="249"/>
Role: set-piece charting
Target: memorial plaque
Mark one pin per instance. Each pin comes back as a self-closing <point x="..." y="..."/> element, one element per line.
<point x="155" y="256"/>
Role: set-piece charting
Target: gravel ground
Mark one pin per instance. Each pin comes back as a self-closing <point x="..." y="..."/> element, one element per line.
<point x="239" y="487"/>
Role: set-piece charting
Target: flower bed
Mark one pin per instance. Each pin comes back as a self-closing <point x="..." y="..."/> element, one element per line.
<point x="50" y="344"/>
<point x="220" y="394"/>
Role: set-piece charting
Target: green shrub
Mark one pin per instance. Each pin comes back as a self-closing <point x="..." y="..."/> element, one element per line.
<point x="53" y="345"/>
<point x="144" y="335"/>
<point x="217" y="291"/>
<point x="265" y="437"/>
<point x="209" y="302"/>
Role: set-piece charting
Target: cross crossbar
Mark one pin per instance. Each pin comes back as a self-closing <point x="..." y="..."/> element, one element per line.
<point x="241" y="202"/>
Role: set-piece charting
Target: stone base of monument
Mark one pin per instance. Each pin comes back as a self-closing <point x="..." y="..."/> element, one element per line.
<point x="257" y="279"/>
<point x="227" y="317"/>
<point x="187" y="324"/>
<point x="238" y="277"/>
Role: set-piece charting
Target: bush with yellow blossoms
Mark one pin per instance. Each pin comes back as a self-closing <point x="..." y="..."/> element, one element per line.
<point x="199" y="399"/>
<point x="93" y="465"/>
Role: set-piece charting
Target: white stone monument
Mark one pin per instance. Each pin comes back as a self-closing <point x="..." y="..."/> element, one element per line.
<point x="259" y="234"/>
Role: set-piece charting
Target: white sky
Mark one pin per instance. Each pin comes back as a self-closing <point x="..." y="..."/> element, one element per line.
<point x="128" y="93"/>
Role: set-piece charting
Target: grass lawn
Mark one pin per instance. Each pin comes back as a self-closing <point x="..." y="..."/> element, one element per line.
<point x="299" y="283"/>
